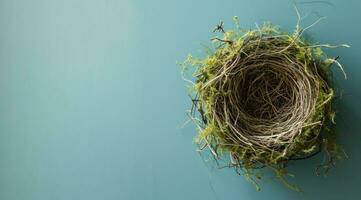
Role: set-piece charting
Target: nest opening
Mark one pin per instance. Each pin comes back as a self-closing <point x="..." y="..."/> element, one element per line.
<point x="269" y="100"/>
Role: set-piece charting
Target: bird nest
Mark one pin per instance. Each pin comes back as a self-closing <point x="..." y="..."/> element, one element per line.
<point x="264" y="97"/>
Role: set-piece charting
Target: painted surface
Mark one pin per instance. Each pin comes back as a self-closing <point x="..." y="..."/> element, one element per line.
<point x="92" y="103"/>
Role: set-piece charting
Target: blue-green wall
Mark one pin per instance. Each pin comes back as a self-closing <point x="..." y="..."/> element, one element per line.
<point x="92" y="103"/>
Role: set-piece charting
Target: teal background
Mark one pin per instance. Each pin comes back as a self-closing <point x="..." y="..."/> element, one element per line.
<point x="92" y="103"/>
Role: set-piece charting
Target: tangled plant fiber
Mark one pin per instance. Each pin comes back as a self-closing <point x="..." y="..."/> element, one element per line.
<point x="263" y="97"/>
